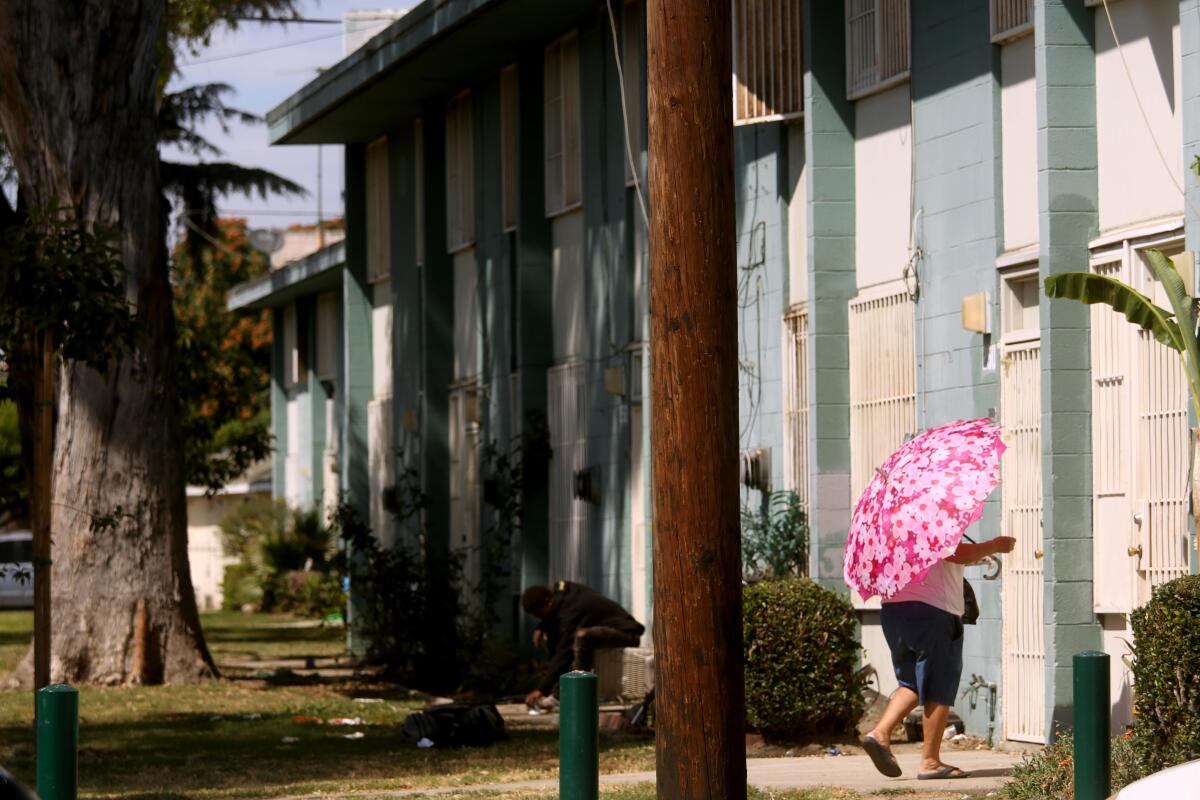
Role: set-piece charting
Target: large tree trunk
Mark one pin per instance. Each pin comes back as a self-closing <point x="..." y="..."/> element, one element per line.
<point x="78" y="109"/>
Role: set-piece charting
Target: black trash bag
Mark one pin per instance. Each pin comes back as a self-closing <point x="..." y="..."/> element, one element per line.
<point x="456" y="725"/>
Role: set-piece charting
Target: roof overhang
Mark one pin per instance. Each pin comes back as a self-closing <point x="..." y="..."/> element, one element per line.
<point x="319" y="272"/>
<point x="435" y="49"/>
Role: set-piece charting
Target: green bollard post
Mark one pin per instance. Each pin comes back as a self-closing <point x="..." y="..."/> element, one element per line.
<point x="578" y="733"/>
<point x="1092" y="734"/>
<point x="57" y="742"/>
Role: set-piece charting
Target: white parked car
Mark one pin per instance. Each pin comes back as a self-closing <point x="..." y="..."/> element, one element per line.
<point x="1177" y="782"/>
<point x="16" y="556"/>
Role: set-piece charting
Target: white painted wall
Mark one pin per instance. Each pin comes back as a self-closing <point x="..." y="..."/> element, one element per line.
<point x="381" y="340"/>
<point x="797" y="216"/>
<point x="382" y="466"/>
<point x="206" y="559"/>
<point x="466" y="278"/>
<point x="882" y="185"/>
<point x="569" y="319"/>
<point x="1018" y="121"/>
<point x="1118" y="639"/>
<point x="1134" y="184"/>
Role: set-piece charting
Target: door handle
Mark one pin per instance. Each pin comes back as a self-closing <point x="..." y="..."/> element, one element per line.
<point x="1138" y="518"/>
<point x="1038" y="553"/>
<point x="1135" y="552"/>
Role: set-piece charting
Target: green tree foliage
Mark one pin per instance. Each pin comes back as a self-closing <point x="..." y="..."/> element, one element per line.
<point x="775" y="537"/>
<point x="14" y="492"/>
<point x="196" y="186"/>
<point x="225" y="359"/>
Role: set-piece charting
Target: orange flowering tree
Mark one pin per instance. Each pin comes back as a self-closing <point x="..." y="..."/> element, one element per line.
<point x="224" y="359"/>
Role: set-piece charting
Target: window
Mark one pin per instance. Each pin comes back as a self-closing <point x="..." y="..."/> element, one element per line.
<point x="631" y="66"/>
<point x="295" y="347"/>
<point x="768" y="64"/>
<point x="509" y="137"/>
<point x="1019" y="307"/>
<point x="883" y="381"/>
<point x="378" y="229"/>
<point x="327" y="336"/>
<point x="1011" y="19"/>
<point x="419" y="190"/>
<point x="877" y="45"/>
<point x="564" y="177"/>
<point x="460" y="174"/>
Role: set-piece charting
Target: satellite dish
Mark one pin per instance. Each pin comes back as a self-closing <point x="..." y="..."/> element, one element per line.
<point x="267" y="240"/>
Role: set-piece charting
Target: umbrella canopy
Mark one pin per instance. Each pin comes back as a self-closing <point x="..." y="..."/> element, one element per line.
<point x="916" y="508"/>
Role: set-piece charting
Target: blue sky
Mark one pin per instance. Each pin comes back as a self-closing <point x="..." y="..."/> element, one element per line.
<point x="263" y="80"/>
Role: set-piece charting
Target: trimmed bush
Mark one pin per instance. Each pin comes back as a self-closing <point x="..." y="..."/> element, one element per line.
<point x="801" y="660"/>
<point x="1049" y="774"/>
<point x="1166" y="674"/>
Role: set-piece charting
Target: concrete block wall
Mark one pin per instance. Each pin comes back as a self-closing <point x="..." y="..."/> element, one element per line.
<point x="955" y="129"/>
<point x="760" y="172"/>
<point x="1067" y="199"/>
<point x="829" y="155"/>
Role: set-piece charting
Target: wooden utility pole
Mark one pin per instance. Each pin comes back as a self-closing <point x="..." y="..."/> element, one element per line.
<point x="41" y="490"/>
<point x="700" y="709"/>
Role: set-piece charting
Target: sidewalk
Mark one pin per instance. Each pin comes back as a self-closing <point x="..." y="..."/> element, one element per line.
<point x="989" y="770"/>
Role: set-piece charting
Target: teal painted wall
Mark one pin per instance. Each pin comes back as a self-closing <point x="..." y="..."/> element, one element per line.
<point x="1067" y="199"/>
<point x="760" y="188"/>
<point x="829" y="155"/>
<point x="955" y="124"/>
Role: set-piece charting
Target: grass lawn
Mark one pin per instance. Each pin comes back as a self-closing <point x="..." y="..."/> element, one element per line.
<point x="645" y="791"/>
<point x="225" y="739"/>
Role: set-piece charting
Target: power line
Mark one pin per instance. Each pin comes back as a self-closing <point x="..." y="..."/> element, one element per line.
<point x="273" y="20"/>
<point x="271" y="48"/>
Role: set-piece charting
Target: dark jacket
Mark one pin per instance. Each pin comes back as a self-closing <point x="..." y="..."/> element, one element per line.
<point x="576" y="606"/>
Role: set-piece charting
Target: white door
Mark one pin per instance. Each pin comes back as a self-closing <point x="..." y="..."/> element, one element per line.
<point x="1140" y="448"/>
<point x="1160" y="531"/>
<point x="1024" y="660"/>
<point x="637" y="517"/>
<point x="568" y="438"/>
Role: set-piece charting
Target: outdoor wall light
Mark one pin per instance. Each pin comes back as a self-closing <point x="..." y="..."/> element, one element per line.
<point x="977" y="313"/>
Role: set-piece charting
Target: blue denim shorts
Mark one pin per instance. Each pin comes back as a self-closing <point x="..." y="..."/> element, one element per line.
<point x="927" y="645"/>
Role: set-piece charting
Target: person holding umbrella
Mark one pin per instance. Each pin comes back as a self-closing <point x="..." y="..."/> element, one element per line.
<point x="905" y="545"/>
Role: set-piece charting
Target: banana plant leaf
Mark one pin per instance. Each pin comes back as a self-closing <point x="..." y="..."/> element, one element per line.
<point x="1088" y="288"/>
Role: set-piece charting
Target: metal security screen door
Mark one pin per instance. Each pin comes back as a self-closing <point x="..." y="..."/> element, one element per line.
<point x="1140" y="444"/>
<point x="1024" y="660"/>
<point x="795" y="403"/>
<point x="464" y="479"/>
<point x="568" y="438"/>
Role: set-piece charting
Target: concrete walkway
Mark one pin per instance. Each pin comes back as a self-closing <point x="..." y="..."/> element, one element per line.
<point x="988" y="772"/>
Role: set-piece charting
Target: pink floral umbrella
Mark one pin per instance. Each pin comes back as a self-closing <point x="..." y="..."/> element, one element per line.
<point x="916" y="508"/>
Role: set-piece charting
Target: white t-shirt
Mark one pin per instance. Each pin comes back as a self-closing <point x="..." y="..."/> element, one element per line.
<point x="941" y="588"/>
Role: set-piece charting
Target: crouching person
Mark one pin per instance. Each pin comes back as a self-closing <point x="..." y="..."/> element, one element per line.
<point x="575" y="622"/>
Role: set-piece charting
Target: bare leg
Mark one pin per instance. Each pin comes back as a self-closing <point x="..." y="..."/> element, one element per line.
<point x="934" y="723"/>
<point x="900" y="706"/>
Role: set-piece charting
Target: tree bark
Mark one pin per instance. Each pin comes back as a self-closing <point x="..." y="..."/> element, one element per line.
<point x="700" y="713"/>
<point x="78" y="109"/>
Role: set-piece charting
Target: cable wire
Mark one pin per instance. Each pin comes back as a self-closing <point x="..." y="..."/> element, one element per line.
<point x="259" y="50"/>
<point x="637" y="177"/>
<point x="1142" y="110"/>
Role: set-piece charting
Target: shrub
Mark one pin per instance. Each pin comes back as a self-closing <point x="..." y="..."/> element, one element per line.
<point x="775" y="537"/>
<point x="1050" y="773"/>
<point x="271" y="541"/>
<point x="801" y="660"/>
<point x="1166" y="674"/>
<point x="308" y="593"/>
<point x="241" y="588"/>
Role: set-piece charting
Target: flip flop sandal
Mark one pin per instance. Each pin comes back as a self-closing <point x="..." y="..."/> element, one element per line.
<point x="881" y="757"/>
<point x="945" y="773"/>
